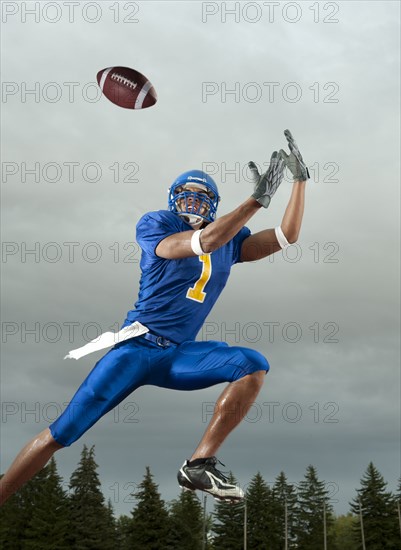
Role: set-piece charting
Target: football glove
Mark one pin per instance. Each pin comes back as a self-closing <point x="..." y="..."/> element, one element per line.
<point x="294" y="161"/>
<point x="267" y="184"/>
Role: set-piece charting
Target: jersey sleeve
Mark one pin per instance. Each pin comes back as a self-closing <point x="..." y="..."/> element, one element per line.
<point x="237" y="242"/>
<point x="153" y="227"/>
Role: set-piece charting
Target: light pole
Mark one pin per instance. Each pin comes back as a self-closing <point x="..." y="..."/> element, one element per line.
<point x="245" y="524"/>
<point x="204" y="524"/>
<point x="285" y="525"/>
<point x="361" y="522"/>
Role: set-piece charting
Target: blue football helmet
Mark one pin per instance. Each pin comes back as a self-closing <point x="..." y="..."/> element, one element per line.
<point x="195" y="207"/>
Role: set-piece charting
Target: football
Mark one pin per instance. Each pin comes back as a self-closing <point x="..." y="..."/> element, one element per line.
<point x="126" y="87"/>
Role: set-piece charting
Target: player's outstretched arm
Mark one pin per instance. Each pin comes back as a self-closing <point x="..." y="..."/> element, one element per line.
<point x="222" y="230"/>
<point x="264" y="243"/>
<point x="213" y="236"/>
<point x="269" y="241"/>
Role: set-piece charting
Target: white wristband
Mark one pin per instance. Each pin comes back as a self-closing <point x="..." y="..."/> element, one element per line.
<point x="282" y="241"/>
<point x="195" y="243"/>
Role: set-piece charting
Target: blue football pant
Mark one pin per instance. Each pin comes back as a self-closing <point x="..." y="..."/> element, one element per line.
<point x="138" y="362"/>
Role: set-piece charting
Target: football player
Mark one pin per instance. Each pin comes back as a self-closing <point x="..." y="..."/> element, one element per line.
<point x="187" y="255"/>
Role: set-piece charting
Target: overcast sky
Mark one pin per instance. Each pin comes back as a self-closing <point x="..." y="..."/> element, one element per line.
<point x="78" y="172"/>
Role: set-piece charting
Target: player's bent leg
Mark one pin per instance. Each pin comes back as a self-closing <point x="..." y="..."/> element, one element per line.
<point x="201" y="472"/>
<point x="29" y="461"/>
<point x="215" y="363"/>
<point x="231" y="407"/>
<point x="198" y="365"/>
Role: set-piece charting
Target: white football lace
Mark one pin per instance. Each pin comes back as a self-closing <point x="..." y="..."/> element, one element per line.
<point x="125" y="81"/>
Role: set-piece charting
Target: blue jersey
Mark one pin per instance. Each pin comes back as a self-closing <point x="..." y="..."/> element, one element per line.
<point x="175" y="296"/>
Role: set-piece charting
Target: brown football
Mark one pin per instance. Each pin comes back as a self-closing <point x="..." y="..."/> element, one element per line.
<point x="126" y="87"/>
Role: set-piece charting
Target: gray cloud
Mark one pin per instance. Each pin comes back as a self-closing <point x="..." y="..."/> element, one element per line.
<point x="354" y="380"/>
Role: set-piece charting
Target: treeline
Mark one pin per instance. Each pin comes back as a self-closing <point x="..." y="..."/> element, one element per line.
<point x="43" y="516"/>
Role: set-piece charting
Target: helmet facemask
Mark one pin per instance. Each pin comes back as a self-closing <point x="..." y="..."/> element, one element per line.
<point x="193" y="206"/>
<point x="194" y="197"/>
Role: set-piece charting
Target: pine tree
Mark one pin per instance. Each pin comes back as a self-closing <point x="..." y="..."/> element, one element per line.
<point x="186" y="522"/>
<point x="89" y="517"/>
<point x="398" y="505"/>
<point x="110" y="527"/>
<point x="286" y="504"/>
<point x="29" y="495"/>
<point x="379" y="513"/>
<point x="229" y="527"/>
<point x="260" y="512"/>
<point x="313" y="500"/>
<point x="18" y="511"/>
<point x="47" y="528"/>
<point x="124" y="532"/>
<point x="150" y="525"/>
<point x="342" y="532"/>
<point x="11" y="525"/>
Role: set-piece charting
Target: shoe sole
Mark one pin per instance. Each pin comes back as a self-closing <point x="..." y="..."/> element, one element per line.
<point x="185" y="484"/>
<point x="230" y="500"/>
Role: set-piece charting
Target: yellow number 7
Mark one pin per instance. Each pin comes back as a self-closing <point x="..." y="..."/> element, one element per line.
<point x="196" y="292"/>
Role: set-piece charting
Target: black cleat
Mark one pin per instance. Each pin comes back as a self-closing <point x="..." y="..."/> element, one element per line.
<point x="204" y="476"/>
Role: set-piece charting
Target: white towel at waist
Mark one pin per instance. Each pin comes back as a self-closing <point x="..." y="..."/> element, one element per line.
<point x="108" y="339"/>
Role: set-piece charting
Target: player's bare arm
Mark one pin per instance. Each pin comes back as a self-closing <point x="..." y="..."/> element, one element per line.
<point x="221" y="231"/>
<point x="269" y="241"/>
<point x="264" y="243"/>
<point x="214" y="235"/>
